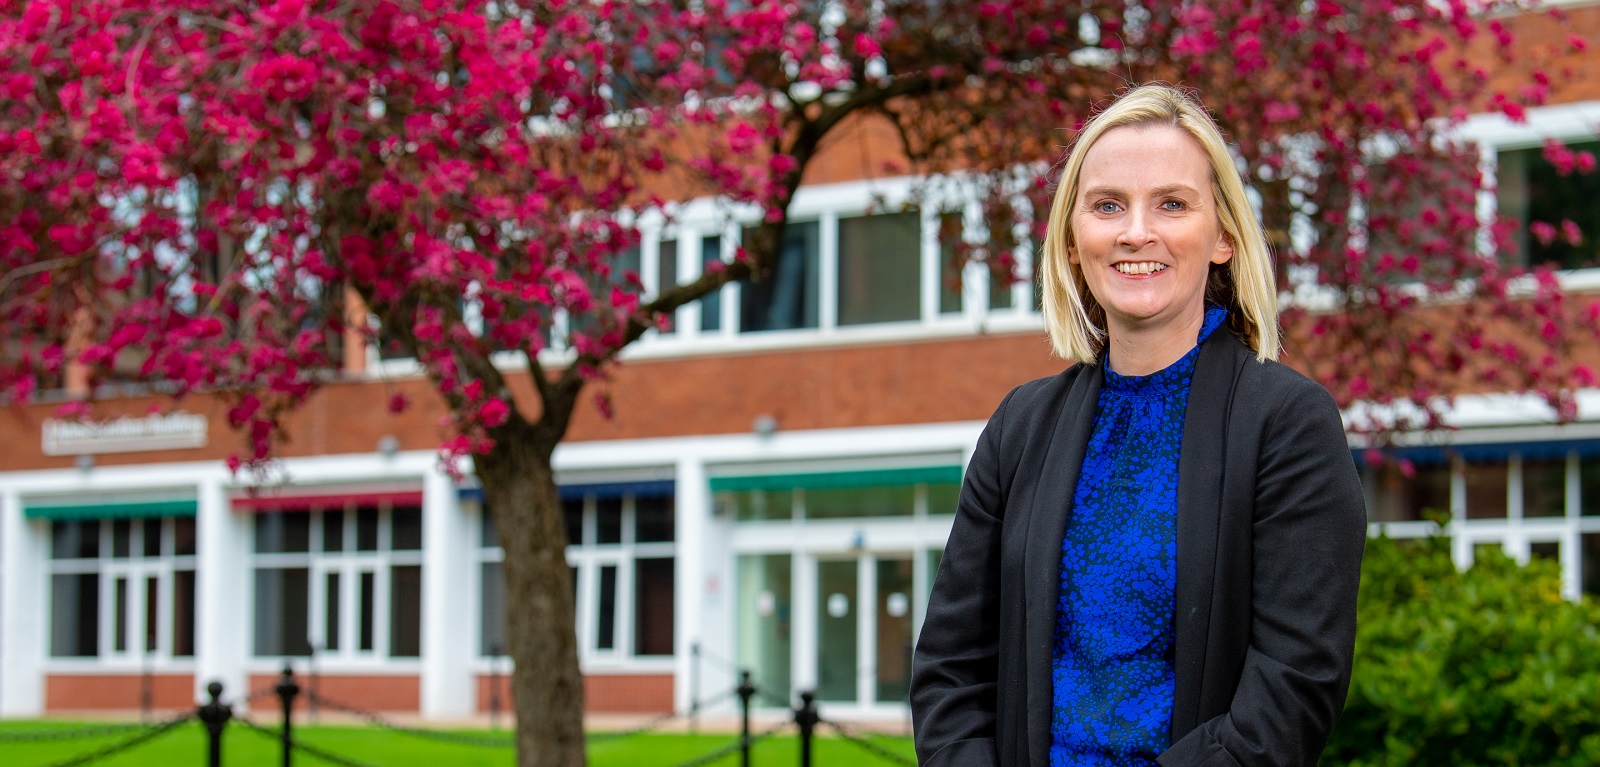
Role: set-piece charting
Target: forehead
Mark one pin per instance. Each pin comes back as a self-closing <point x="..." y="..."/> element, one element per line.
<point x="1145" y="156"/>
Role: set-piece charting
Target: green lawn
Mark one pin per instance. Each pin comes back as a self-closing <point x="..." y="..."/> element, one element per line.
<point x="185" y="745"/>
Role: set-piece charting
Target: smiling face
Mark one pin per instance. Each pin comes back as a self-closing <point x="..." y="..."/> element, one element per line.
<point x="1145" y="231"/>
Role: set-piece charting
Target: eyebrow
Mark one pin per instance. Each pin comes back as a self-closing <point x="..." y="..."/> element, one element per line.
<point x="1157" y="192"/>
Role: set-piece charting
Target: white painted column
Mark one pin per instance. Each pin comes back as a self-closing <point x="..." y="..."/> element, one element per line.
<point x="222" y="611"/>
<point x="447" y="679"/>
<point x="693" y="504"/>
<point x="24" y="621"/>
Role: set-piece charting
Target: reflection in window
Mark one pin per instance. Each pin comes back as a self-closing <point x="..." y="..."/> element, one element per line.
<point x="1402" y="495"/>
<point x="786" y="297"/>
<point x="1544" y="487"/>
<point x="1538" y="196"/>
<point x="880" y="261"/>
<point x="835" y="503"/>
<point x="1486" y="489"/>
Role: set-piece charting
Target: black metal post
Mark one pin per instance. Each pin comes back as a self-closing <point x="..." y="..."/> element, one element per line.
<point x="215" y="716"/>
<point x="745" y="691"/>
<point x="311" y="683"/>
<point x="287" y="689"/>
<point x="494" y="685"/>
<point x="146" y="687"/>
<point x="694" y="687"/>
<point x="806" y="717"/>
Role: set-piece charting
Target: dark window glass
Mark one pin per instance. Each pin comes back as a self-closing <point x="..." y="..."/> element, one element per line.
<point x="1591" y="563"/>
<point x="786" y="297"/>
<point x="667" y="275"/>
<point x="282" y="612"/>
<point x="152" y="620"/>
<point x="405" y="611"/>
<point x="711" y="303"/>
<point x="606" y="633"/>
<point x="119" y="615"/>
<point x="331" y="612"/>
<point x="943" y="498"/>
<point x="492" y="625"/>
<point x="75" y="539"/>
<point x="333" y="530"/>
<point x="880" y="268"/>
<point x="1486" y="490"/>
<point x="183" y="536"/>
<point x="121" y="538"/>
<point x="834" y="503"/>
<point x="1550" y="550"/>
<point x="366" y="529"/>
<point x="75" y="615"/>
<point x="283" y="532"/>
<point x="608" y="520"/>
<point x="491" y="539"/>
<point x="572" y="510"/>
<point x="152" y="538"/>
<point x="1589" y="486"/>
<point x="1544" y="487"/>
<point x="367" y="611"/>
<point x="654" y="518"/>
<point x="757" y="505"/>
<point x="952" y="261"/>
<point x="183" y="595"/>
<point x="652" y="618"/>
<point x="1400" y="495"/>
<point x="1535" y="194"/>
<point x="406" y="525"/>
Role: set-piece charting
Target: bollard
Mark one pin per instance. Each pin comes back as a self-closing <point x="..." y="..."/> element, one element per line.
<point x="745" y="691"/>
<point x="215" y="716"/>
<point x="694" y="687"/>
<point x="806" y="717"/>
<point x="287" y="689"/>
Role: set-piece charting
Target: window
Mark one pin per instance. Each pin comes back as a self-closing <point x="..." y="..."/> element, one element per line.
<point x="785" y="298"/>
<point x="880" y="271"/>
<point x="1486" y="489"/>
<point x="621" y="547"/>
<point x="887" y="500"/>
<point x="1538" y="197"/>
<point x="711" y="303"/>
<point x="1402" y="494"/>
<point x="122" y="588"/>
<point x="342" y="583"/>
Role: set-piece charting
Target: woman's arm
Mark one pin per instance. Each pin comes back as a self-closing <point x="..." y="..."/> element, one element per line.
<point x="953" y="680"/>
<point x="1308" y="535"/>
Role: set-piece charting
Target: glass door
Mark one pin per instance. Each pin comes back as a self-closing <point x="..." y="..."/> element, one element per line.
<point x="838" y="630"/>
<point x="892" y="621"/>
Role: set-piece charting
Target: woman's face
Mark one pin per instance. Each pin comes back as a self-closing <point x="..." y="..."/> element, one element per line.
<point x="1145" y="227"/>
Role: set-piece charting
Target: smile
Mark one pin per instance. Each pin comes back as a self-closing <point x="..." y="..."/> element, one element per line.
<point x="1139" y="267"/>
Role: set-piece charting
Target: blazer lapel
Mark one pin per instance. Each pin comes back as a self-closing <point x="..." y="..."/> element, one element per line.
<point x="1200" y="476"/>
<point x="1057" y="479"/>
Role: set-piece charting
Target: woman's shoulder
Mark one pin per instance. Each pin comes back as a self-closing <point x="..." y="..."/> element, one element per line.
<point x="1046" y="391"/>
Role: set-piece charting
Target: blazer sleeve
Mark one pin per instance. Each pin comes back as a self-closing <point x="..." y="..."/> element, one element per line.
<point x="1309" y="531"/>
<point x="955" y="670"/>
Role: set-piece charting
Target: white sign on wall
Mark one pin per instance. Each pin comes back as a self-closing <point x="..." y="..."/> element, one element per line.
<point x="152" y="432"/>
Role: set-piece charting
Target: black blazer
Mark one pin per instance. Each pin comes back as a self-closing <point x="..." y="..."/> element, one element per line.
<point x="1271" y="527"/>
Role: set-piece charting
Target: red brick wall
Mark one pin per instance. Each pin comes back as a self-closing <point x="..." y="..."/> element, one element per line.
<point x="371" y="693"/>
<point x="602" y="693"/>
<point x="119" y="692"/>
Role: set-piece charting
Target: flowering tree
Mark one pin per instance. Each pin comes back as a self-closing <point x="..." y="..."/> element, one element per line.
<point x="207" y="194"/>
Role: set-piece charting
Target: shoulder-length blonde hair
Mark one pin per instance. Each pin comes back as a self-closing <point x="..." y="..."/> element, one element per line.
<point x="1245" y="284"/>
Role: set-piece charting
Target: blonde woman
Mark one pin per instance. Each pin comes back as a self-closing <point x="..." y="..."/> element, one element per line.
<point x="1156" y="553"/>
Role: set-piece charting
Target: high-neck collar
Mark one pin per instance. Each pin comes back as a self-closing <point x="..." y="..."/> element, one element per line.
<point x="1171" y="377"/>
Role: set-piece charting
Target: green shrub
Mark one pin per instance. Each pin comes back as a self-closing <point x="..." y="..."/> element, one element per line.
<point x="1484" y="667"/>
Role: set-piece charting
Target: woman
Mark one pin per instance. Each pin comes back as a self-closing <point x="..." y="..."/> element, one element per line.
<point x="1156" y="552"/>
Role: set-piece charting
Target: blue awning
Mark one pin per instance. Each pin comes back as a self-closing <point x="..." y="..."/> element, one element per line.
<point x="1482" y="452"/>
<point x="597" y="489"/>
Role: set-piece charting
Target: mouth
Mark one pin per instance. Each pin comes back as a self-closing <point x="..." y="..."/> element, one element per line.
<point x="1139" y="267"/>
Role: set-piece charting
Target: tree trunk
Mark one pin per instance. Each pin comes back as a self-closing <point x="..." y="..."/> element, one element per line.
<point x="546" y="684"/>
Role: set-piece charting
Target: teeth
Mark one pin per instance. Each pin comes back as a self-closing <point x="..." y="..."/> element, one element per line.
<point x="1138" y="267"/>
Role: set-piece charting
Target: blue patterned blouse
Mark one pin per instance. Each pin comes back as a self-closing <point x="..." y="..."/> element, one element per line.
<point x="1113" y="659"/>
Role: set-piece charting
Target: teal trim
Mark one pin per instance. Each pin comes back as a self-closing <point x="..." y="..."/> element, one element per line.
<point x="112" y="510"/>
<point x="933" y="475"/>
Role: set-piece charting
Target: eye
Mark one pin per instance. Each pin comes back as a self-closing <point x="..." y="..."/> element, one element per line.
<point x="1173" y="205"/>
<point x="1106" y="206"/>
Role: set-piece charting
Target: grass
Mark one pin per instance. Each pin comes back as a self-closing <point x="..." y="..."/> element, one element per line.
<point x="185" y="746"/>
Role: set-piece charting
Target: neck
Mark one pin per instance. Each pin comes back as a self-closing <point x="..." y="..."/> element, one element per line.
<point x="1142" y="349"/>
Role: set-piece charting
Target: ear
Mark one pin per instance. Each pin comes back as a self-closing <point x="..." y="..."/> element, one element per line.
<point x="1224" y="251"/>
<point x="1072" y="255"/>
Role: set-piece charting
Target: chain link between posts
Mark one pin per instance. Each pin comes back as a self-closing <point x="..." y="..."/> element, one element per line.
<point x="732" y="748"/>
<point x="867" y="745"/>
<point x="305" y="748"/>
<point x="148" y="733"/>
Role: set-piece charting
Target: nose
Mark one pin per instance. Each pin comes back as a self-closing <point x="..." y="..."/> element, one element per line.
<point x="1136" y="230"/>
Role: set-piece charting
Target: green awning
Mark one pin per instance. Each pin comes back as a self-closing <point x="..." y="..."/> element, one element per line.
<point x="110" y="509"/>
<point x="837" y="479"/>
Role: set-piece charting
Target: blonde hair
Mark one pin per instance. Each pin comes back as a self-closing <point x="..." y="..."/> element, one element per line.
<point x="1245" y="285"/>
